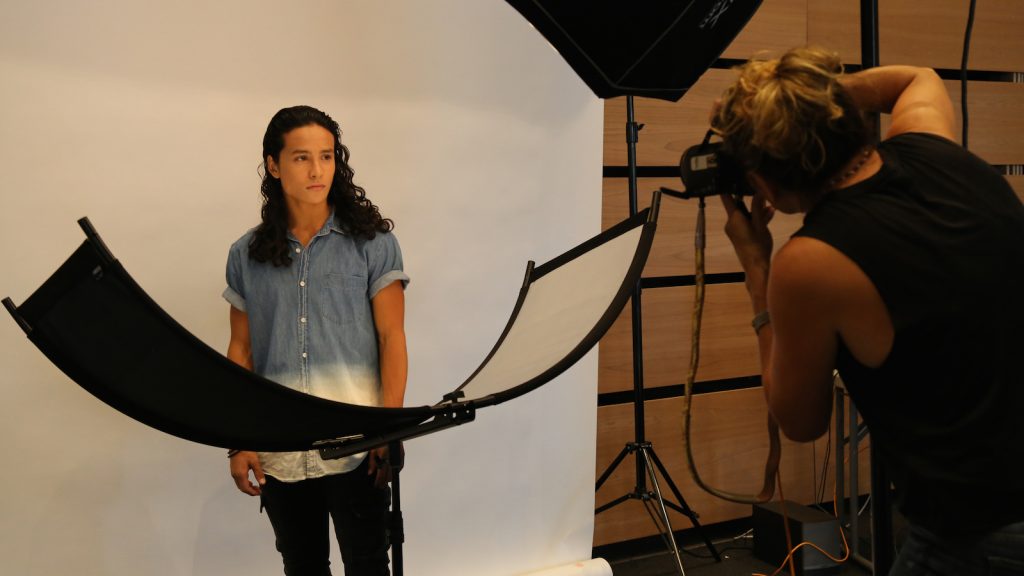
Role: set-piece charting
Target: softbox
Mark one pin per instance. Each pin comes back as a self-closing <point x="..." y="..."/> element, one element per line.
<point x="650" y="48"/>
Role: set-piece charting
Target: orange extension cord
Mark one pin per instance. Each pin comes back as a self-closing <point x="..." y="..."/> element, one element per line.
<point x="789" y="538"/>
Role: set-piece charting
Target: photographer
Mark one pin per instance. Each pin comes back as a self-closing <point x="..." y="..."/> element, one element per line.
<point x="907" y="277"/>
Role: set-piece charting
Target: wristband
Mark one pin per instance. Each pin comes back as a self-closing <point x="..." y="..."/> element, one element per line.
<point x="760" y="319"/>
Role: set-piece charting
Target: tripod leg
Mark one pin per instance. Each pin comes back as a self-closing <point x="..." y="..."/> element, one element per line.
<point x="613" y="503"/>
<point x="651" y="509"/>
<point x="615" y="464"/>
<point x="683" y="507"/>
<point x="628" y="449"/>
<point x="662" y="511"/>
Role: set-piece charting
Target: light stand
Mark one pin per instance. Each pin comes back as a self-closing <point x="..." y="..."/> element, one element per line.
<point x="642" y="449"/>
<point x="396" y="525"/>
<point x="882" y="557"/>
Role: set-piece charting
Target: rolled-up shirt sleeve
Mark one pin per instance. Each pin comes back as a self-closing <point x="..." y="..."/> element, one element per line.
<point x="235" y="291"/>
<point x="384" y="260"/>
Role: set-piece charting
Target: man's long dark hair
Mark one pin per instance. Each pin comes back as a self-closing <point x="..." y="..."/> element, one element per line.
<point x="353" y="212"/>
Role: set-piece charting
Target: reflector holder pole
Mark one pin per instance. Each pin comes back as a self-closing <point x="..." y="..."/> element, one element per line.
<point x="454" y="415"/>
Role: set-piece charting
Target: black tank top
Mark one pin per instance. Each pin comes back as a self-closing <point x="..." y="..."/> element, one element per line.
<point x="941" y="235"/>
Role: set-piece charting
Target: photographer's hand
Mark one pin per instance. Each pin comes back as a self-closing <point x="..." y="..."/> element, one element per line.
<point x="750" y="237"/>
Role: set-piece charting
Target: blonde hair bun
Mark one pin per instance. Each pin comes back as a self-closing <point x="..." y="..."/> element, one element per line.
<point x="789" y="111"/>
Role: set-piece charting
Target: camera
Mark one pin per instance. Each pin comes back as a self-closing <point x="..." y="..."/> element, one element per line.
<point x="706" y="169"/>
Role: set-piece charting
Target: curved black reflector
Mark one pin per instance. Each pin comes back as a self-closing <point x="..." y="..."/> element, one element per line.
<point x="656" y="49"/>
<point x="98" y="326"/>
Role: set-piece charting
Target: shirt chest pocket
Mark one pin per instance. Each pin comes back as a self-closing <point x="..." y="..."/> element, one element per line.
<point x="341" y="299"/>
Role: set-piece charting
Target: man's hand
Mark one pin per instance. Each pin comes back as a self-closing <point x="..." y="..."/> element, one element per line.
<point x="241" y="464"/>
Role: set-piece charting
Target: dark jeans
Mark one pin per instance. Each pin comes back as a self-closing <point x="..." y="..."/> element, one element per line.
<point x="298" y="513"/>
<point x="999" y="553"/>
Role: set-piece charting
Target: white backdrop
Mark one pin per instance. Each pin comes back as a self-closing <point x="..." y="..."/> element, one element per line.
<point x="466" y="128"/>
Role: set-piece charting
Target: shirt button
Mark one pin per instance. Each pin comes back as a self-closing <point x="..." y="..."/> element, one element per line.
<point x="297" y="250"/>
<point x="303" y="354"/>
<point x="302" y="283"/>
<point x="303" y="320"/>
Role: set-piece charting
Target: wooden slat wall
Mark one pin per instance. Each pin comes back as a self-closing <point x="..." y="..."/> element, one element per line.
<point x="730" y="443"/>
<point x="669" y="127"/>
<point x="996" y="119"/>
<point x="925" y="33"/>
<point x="728" y="348"/>
<point x="729" y="437"/>
<point x="673" y="250"/>
<point x="1018" y="185"/>
<point x="777" y="26"/>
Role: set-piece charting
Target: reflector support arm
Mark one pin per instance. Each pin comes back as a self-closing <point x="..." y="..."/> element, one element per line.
<point x="453" y="415"/>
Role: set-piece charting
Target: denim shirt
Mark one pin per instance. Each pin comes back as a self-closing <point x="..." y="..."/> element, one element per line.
<point x="311" y="325"/>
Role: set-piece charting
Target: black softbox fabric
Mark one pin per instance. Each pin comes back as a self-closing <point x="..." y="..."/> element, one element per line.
<point x="651" y="48"/>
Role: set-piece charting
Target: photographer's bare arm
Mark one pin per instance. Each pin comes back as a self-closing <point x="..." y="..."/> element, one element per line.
<point x="240" y="352"/>
<point x="915" y="97"/>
